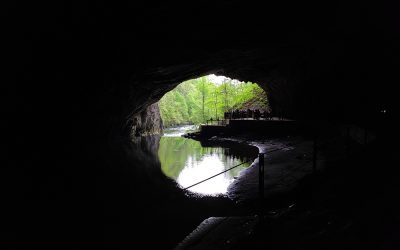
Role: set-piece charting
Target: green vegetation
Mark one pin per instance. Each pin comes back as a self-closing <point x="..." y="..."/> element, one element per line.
<point x="197" y="100"/>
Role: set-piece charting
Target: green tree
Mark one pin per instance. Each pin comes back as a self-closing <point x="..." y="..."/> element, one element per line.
<point x="196" y="100"/>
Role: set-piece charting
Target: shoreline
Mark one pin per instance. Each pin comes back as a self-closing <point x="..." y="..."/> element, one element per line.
<point x="287" y="161"/>
<point x="301" y="208"/>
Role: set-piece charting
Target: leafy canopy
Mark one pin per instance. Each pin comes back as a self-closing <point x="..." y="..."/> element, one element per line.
<point x="197" y="100"/>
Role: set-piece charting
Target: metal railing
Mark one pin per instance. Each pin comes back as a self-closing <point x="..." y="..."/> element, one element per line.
<point x="217" y="122"/>
<point x="261" y="175"/>
<point x="261" y="170"/>
<point x="216" y="174"/>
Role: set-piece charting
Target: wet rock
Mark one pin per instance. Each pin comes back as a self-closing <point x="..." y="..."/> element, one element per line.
<point x="147" y="122"/>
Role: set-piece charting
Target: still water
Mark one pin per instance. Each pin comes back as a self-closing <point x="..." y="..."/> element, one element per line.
<point x="188" y="161"/>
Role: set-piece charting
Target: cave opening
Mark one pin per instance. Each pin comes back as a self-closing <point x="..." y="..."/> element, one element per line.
<point x="207" y="100"/>
<point x="291" y="158"/>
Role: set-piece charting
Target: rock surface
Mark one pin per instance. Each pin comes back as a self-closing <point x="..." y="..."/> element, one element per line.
<point x="148" y="122"/>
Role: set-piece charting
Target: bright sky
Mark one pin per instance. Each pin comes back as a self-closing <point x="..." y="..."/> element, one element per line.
<point x="219" y="79"/>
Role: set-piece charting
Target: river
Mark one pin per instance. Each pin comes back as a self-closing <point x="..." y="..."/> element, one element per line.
<point x="188" y="161"/>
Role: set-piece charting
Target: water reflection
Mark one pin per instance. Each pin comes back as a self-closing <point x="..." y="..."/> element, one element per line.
<point x="186" y="161"/>
<point x="179" y="131"/>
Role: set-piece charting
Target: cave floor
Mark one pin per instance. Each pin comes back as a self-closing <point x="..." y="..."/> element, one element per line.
<point x="301" y="209"/>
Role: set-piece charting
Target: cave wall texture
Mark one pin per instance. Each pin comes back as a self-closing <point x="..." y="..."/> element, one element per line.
<point x="77" y="75"/>
<point x="147" y="122"/>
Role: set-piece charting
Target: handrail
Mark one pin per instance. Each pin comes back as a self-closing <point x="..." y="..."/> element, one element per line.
<point x="219" y="122"/>
<point x="315" y="146"/>
<point x="276" y="149"/>
<point x="216" y="175"/>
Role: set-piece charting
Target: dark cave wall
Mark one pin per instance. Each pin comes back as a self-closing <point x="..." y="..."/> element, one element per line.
<point x="76" y="77"/>
<point x="78" y="82"/>
<point x="324" y="62"/>
<point x="327" y="80"/>
<point x="114" y="61"/>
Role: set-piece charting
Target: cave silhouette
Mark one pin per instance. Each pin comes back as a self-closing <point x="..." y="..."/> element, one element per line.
<point x="77" y="77"/>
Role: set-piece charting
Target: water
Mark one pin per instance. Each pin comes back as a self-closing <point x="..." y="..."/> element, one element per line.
<point x="188" y="161"/>
<point x="179" y="131"/>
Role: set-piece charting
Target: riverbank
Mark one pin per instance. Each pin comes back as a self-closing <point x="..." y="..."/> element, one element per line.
<point x="287" y="160"/>
<point x="334" y="207"/>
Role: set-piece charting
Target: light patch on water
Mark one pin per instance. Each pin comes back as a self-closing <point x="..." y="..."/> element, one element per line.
<point x="196" y="171"/>
<point x="179" y="131"/>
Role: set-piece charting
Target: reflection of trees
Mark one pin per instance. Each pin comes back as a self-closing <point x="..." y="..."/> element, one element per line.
<point x="175" y="151"/>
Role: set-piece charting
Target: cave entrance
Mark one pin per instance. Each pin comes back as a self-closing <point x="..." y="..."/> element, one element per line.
<point x="209" y="100"/>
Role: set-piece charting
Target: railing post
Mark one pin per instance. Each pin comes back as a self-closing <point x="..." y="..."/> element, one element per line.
<point x="315" y="154"/>
<point x="261" y="175"/>
<point x="347" y="141"/>
<point x="365" y="137"/>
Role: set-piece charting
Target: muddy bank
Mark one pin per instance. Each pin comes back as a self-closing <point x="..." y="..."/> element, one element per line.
<point x="287" y="160"/>
<point x="345" y="204"/>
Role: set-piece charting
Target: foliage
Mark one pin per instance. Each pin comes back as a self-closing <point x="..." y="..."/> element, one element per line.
<point x="197" y="100"/>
